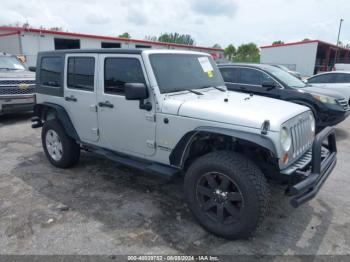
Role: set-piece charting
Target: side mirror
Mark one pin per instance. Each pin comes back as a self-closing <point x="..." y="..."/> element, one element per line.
<point x="137" y="91"/>
<point x="32" y="68"/>
<point x="269" y="85"/>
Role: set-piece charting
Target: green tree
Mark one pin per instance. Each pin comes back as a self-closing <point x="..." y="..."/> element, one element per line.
<point x="306" y="39"/>
<point x="176" y="38"/>
<point x="278" y="42"/>
<point x="216" y="45"/>
<point x="230" y="52"/>
<point x="125" y="35"/>
<point x="248" y="53"/>
<point x="151" y="38"/>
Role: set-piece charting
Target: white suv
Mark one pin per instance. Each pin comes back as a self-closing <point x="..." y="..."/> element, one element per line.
<point x="169" y="112"/>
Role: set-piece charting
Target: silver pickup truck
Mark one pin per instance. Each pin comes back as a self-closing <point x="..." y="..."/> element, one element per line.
<point x="169" y="113"/>
<point x="16" y="85"/>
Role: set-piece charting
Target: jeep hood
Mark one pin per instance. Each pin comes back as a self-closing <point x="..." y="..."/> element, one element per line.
<point x="240" y="109"/>
<point x="16" y="74"/>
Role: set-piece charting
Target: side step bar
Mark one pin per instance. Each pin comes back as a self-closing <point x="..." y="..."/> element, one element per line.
<point x="150" y="168"/>
<point x="36" y="122"/>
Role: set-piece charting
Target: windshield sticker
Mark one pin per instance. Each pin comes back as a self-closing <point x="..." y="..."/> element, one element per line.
<point x="210" y="74"/>
<point x="17" y="66"/>
<point x="205" y="64"/>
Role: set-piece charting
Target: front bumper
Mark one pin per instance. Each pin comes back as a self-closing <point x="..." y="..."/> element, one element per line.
<point x="306" y="183"/>
<point x="16" y="103"/>
<point x="332" y="117"/>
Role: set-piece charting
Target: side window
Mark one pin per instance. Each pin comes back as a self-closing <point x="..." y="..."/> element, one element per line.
<point x="51" y="71"/>
<point x="119" y="71"/>
<point x="253" y="77"/>
<point x="326" y="78"/>
<point x="230" y="74"/>
<point x="342" y="78"/>
<point x="80" y="73"/>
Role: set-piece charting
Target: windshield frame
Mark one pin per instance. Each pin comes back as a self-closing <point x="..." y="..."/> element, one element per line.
<point x="14" y="61"/>
<point x="183" y="88"/>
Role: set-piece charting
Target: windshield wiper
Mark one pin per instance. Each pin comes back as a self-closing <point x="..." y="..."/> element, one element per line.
<point x="194" y="92"/>
<point x="216" y="87"/>
<point x="219" y="88"/>
<point x="7" y="68"/>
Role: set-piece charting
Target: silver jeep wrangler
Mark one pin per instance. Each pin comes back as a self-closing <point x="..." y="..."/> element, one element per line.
<point x="167" y="113"/>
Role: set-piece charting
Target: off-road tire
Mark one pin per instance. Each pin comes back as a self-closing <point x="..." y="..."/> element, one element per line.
<point x="246" y="176"/>
<point x="70" y="149"/>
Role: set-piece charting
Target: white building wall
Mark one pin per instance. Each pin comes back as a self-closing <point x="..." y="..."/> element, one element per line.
<point x="29" y="44"/>
<point x="33" y="43"/>
<point x="10" y="44"/>
<point x="300" y="58"/>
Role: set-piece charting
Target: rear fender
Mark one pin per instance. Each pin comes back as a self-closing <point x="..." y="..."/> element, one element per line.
<point x="40" y="111"/>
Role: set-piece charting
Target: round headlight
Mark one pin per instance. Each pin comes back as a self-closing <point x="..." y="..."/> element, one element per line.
<point x="286" y="139"/>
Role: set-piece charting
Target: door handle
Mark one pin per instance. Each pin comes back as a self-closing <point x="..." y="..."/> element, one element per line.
<point x="105" y="104"/>
<point x="70" y="99"/>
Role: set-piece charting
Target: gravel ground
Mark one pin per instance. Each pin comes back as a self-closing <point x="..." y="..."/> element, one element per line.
<point x="99" y="208"/>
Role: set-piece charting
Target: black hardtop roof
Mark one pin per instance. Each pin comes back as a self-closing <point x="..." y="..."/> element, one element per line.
<point x="132" y="51"/>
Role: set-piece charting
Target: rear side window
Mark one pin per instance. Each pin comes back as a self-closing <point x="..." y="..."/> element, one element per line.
<point x="51" y="71"/>
<point x="80" y="73"/>
<point x="230" y="74"/>
<point x="342" y="78"/>
<point x="326" y="78"/>
<point x="119" y="71"/>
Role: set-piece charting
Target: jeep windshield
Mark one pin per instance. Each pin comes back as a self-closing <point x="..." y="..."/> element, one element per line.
<point x="183" y="72"/>
<point x="10" y="63"/>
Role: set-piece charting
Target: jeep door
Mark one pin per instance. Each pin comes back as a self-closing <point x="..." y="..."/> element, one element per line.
<point x="80" y="94"/>
<point x="124" y="127"/>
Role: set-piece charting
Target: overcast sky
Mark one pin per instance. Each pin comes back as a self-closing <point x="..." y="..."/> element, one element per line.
<point x="208" y="21"/>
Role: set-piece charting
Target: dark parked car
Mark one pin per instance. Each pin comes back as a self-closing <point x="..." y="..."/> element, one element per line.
<point x="329" y="107"/>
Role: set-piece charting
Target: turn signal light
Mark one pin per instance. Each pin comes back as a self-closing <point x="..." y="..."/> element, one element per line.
<point x="285" y="158"/>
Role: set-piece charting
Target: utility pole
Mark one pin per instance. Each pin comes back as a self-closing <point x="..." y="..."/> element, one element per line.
<point x="336" y="51"/>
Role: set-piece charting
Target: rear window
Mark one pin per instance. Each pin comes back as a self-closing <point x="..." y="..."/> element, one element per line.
<point x="342" y="78"/>
<point x="81" y="72"/>
<point x="51" y="71"/>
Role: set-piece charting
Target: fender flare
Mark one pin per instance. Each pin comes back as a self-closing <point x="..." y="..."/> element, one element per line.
<point x="181" y="149"/>
<point x="61" y="115"/>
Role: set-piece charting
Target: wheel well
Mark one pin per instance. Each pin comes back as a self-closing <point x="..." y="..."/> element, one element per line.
<point x="45" y="112"/>
<point x="204" y="143"/>
<point x="48" y="111"/>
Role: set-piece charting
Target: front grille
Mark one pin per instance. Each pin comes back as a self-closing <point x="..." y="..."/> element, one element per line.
<point x="15" y="90"/>
<point x="344" y="103"/>
<point x="302" y="136"/>
<point x="16" y="82"/>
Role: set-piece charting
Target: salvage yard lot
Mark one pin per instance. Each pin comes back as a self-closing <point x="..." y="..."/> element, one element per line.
<point x="98" y="207"/>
